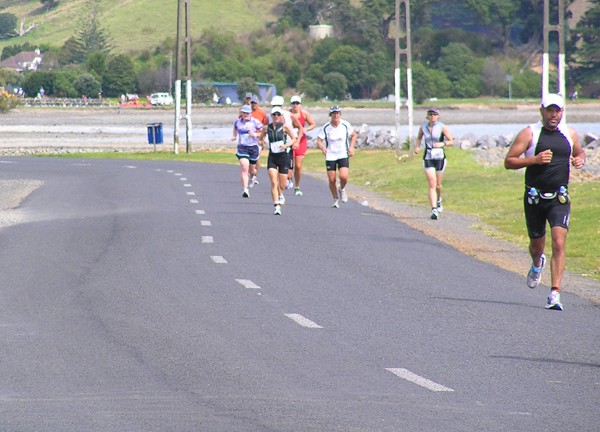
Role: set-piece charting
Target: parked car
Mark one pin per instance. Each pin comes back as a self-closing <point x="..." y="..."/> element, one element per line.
<point x="161" y="99"/>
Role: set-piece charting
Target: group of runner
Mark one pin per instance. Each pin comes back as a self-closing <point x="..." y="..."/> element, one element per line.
<point x="284" y="132"/>
<point x="546" y="149"/>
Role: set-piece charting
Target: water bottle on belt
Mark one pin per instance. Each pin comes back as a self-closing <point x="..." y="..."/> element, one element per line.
<point x="563" y="195"/>
<point x="533" y="196"/>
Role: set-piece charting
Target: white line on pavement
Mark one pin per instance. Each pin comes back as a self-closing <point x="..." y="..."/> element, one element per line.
<point x="190" y="193"/>
<point x="205" y="223"/>
<point x="419" y="380"/>
<point x="200" y="212"/>
<point x="194" y="201"/>
<point x="247" y="283"/>
<point x="218" y="259"/>
<point x="182" y="178"/>
<point x="187" y="185"/>
<point x="303" y="321"/>
<point x="207" y="239"/>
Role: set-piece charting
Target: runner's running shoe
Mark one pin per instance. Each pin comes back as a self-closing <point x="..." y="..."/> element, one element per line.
<point x="554" y="301"/>
<point x="440" y="207"/>
<point x="254" y="180"/>
<point x="435" y="214"/>
<point x="298" y="192"/>
<point x="336" y="204"/>
<point x="246" y="194"/>
<point x="535" y="274"/>
<point x="277" y="210"/>
<point x="281" y="200"/>
<point x="343" y="195"/>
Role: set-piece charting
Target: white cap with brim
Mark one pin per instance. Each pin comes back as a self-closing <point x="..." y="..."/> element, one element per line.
<point x="276" y="110"/>
<point x="553" y="99"/>
<point x="246" y="109"/>
<point x="277" y="101"/>
<point x="296" y="98"/>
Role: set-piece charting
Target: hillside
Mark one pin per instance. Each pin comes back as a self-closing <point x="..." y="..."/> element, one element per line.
<point x="135" y="25"/>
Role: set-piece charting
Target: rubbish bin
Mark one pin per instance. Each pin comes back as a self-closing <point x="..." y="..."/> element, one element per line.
<point x="155" y="133"/>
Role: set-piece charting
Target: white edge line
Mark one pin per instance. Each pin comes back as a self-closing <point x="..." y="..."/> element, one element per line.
<point x="201" y="212"/>
<point x="194" y="201"/>
<point x="205" y="223"/>
<point x="247" y="283"/>
<point x="218" y="259"/>
<point x="207" y="239"/>
<point x="419" y="380"/>
<point x="303" y="321"/>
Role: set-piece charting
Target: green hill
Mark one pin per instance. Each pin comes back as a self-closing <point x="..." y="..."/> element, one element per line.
<point x="135" y="25"/>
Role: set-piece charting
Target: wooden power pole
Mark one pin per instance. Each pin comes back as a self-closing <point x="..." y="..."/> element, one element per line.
<point x="406" y="51"/>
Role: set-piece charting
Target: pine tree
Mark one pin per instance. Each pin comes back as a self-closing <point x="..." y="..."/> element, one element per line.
<point x="91" y="36"/>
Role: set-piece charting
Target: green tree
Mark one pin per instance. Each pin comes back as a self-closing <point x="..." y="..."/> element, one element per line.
<point x="587" y="37"/>
<point x="8" y="24"/>
<point x="335" y="86"/>
<point x="87" y="85"/>
<point x="119" y="77"/>
<point x="64" y="84"/>
<point x="34" y="81"/>
<point x="91" y="37"/>
<point x="428" y="83"/>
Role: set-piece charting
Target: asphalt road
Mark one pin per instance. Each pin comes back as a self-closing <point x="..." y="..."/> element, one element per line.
<point x="150" y="296"/>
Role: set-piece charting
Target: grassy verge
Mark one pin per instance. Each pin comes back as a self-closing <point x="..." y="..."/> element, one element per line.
<point x="492" y="194"/>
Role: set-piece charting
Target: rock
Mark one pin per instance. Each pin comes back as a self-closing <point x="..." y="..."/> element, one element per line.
<point x="486" y="142"/>
<point x="590" y="137"/>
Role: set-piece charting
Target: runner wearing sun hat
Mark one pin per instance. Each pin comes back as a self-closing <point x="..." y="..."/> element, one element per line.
<point x="291" y="120"/>
<point x="336" y="140"/>
<point x="298" y="154"/>
<point x="246" y="130"/>
<point x="280" y="138"/>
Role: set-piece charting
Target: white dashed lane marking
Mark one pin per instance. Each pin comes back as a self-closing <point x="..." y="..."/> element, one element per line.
<point x="247" y="284"/>
<point x="419" y="380"/>
<point x="182" y="179"/>
<point x="205" y="223"/>
<point x="187" y="185"/>
<point x="190" y="193"/>
<point x="194" y="201"/>
<point x="303" y="321"/>
<point x="200" y="212"/>
<point x="218" y="259"/>
<point x="207" y="239"/>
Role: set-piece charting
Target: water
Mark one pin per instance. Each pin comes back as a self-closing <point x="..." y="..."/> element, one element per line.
<point x="457" y="130"/>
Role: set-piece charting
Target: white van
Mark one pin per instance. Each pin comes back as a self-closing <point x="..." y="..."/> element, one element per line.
<point x="161" y="99"/>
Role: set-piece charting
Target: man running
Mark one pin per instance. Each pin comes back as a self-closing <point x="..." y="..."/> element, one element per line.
<point x="336" y="140"/>
<point x="549" y="148"/>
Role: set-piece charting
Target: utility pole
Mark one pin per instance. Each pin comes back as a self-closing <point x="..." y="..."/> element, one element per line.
<point x="407" y="52"/>
<point x="559" y="28"/>
<point x="183" y="70"/>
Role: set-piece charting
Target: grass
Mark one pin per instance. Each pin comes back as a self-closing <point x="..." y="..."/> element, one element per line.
<point x="492" y="194"/>
<point x="136" y="25"/>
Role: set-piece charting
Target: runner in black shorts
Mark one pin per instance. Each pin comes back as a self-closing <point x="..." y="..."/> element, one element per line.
<point x="280" y="138"/>
<point x="549" y="148"/>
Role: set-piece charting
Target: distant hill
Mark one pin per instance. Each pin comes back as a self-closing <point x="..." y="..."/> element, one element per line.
<point x="135" y="25"/>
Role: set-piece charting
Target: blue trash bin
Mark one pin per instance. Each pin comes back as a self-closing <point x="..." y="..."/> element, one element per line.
<point x="155" y="133"/>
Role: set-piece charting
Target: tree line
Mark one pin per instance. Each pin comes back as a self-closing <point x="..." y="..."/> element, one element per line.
<point x="461" y="49"/>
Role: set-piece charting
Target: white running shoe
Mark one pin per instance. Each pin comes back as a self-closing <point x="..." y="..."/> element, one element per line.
<point x="277" y="210"/>
<point x="246" y="193"/>
<point x="554" y="301"/>
<point x="298" y="192"/>
<point x="254" y="181"/>
<point x="336" y="204"/>
<point x="535" y="274"/>
<point x="435" y="214"/>
<point x="343" y="195"/>
<point x="440" y="207"/>
<point x="289" y="184"/>
<point x="281" y="200"/>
